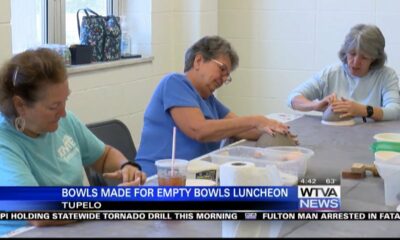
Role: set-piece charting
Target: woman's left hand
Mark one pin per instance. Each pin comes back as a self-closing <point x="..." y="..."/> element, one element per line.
<point x="348" y="108"/>
<point x="130" y="176"/>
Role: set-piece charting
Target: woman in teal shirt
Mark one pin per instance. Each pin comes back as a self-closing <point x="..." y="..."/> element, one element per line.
<point x="42" y="144"/>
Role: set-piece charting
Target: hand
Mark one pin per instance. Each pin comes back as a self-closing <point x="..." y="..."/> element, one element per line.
<point x="325" y="102"/>
<point x="271" y="126"/>
<point x="348" y="108"/>
<point x="293" y="137"/>
<point x="130" y="175"/>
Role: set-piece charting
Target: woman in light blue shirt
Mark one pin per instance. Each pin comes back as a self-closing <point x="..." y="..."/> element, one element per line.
<point x="359" y="87"/>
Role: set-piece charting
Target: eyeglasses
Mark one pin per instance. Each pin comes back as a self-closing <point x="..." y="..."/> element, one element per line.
<point x="224" y="70"/>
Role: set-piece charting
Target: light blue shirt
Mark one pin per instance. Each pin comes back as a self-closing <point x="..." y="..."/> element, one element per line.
<point x="379" y="88"/>
<point x="174" y="90"/>
<point x="52" y="159"/>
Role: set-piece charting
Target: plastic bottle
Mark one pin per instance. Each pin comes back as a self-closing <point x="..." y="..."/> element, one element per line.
<point x="67" y="56"/>
<point x="125" y="39"/>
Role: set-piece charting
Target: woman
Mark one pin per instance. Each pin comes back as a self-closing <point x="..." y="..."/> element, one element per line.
<point x="187" y="102"/>
<point x="42" y="144"/>
<point x="362" y="84"/>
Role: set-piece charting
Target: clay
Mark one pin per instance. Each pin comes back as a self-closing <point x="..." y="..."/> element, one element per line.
<point x="293" y="156"/>
<point x="348" y="174"/>
<point x="279" y="139"/>
<point x="331" y="116"/>
<point x="372" y="169"/>
<point x="358" y="168"/>
<point x="362" y="168"/>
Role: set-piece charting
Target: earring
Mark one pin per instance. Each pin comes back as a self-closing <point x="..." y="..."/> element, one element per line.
<point x="19" y="124"/>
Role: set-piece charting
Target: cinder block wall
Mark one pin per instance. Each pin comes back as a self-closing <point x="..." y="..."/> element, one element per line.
<point x="5" y="31"/>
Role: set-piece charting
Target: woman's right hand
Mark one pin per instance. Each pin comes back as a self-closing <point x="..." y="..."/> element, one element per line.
<point x="271" y="126"/>
<point x="325" y="102"/>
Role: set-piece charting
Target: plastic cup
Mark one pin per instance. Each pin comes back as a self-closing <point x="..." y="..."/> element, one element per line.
<point x="168" y="178"/>
<point x="387" y="161"/>
<point x="391" y="179"/>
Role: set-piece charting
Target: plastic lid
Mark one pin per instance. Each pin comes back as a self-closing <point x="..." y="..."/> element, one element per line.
<point x="385" y="146"/>
<point x="167" y="162"/>
<point x="290" y="149"/>
<point x="199" y="165"/>
<point x="123" y="23"/>
<point x="387" y="137"/>
<point x="200" y="182"/>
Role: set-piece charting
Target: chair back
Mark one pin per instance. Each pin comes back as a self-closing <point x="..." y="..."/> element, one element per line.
<point x="116" y="134"/>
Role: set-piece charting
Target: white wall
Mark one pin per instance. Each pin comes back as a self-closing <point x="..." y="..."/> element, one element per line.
<point x="281" y="43"/>
<point x="5" y="30"/>
<point x="191" y="21"/>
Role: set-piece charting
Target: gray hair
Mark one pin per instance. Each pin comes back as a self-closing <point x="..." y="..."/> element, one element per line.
<point x="211" y="47"/>
<point x="367" y="39"/>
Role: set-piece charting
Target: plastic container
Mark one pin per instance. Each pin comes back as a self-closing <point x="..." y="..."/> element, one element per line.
<point x="125" y="44"/>
<point x="388" y="157"/>
<point x="168" y="178"/>
<point x="387" y="162"/>
<point x="387" y="137"/>
<point x="390" y="172"/>
<point x="198" y="169"/>
<point x="62" y="50"/>
<point x="125" y="38"/>
<point x="200" y="182"/>
<point x="291" y="160"/>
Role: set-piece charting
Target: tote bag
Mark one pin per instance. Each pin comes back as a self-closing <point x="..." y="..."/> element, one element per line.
<point x="102" y="33"/>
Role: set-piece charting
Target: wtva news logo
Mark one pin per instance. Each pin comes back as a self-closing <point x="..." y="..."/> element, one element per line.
<point x="319" y="198"/>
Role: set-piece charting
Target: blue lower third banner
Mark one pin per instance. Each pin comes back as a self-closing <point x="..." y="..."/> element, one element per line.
<point x="149" y="198"/>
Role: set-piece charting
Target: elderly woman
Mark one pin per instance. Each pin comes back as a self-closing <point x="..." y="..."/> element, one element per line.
<point x="42" y="144"/>
<point x="364" y="86"/>
<point x="187" y="102"/>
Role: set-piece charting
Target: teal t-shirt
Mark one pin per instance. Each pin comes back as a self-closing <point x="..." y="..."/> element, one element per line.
<point x="52" y="159"/>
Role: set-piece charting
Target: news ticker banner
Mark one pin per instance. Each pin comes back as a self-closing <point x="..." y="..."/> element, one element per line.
<point x="200" y="215"/>
<point x="319" y="194"/>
